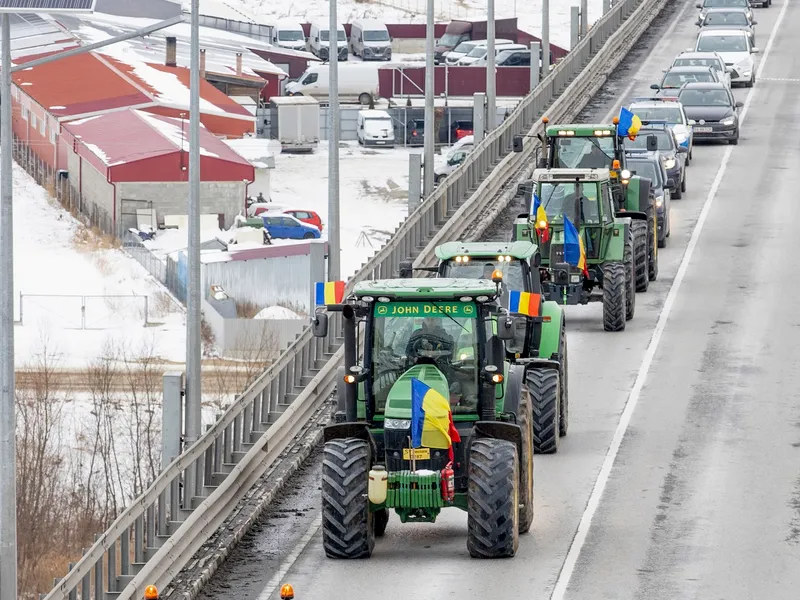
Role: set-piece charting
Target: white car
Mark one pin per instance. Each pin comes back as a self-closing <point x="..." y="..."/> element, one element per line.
<point x="668" y="110"/>
<point x="479" y="52"/>
<point x="735" y="49"/>
<point x="704" y="59"/>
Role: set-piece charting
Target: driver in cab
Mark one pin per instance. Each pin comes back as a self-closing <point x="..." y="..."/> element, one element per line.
<point x="430" y="337"/>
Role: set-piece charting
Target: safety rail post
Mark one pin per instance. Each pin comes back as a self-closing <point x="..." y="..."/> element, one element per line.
<point x="86" y="582"/>
<point x="111" y="571"/>
<point x="125" y="553"/>
<point x="73" y="593"/>
<point x="138" y="540"/>
<point x="98" y="575"/>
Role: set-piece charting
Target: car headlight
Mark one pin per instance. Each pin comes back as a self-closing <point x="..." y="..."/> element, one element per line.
<point x="728" y="121"/>
<point x="397" y="424"/>
<point x="669" y="163"/>
<point x="660" y="201"/>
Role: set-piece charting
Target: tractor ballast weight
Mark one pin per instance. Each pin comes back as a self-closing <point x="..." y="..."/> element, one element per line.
<point x="369" y="465"/>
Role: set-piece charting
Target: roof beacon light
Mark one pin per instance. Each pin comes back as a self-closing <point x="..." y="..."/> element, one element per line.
<point x="150" y="593"/>
<point x="287" y="592"/>
<point x="497" y="276"/>
<point x="545" y="120"/>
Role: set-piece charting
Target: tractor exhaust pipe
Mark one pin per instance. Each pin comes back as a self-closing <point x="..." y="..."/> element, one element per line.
<point x="351" y="389"/>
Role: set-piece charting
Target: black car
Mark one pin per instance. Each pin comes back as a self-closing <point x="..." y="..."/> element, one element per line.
<point x="712" y="111"/>
<point x="677" y="77"/>
<point x="415" y="132"/>
<point x="673" y="155"/>
<point x="649" y="165"/>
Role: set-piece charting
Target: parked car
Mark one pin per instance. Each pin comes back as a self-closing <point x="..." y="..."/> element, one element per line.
<point x="460" y="51"/>
<point x="735" y="48"/>
<point x="288" y="227"/>
<point x="370" y="40"/>
<point x="479" y="52"/>
<point x="673" y="156"/>
<point x="649" y="165"/>
<point x="449" y="162"/>
<point x="288" y="34"/>
<point x="484" y="60"/>
<point x="458" y="129"/>
<point x="513" y="58"/>
<point x="306" y="216"/>
<point x="728" y="18"/>
<point x="319" y="40"/>
<point x="415" y="132"/>
<point x="375" y="128"/>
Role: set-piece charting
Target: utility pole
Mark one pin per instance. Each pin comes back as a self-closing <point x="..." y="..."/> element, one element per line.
<point x="334" y="233"/>
<point x="8" y="446"/>
<point x="491" y="75"/>
<point x="545" y="38"/>
<point x="193" y="342"/>
<point x="427" y="188"/>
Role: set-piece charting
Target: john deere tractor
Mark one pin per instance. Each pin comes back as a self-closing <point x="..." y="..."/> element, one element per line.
<point x="584" y="195"/>
<point x="589" y="146"/>
<point x="440" y="332"/>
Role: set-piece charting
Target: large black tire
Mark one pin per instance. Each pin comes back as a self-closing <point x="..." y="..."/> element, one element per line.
<point x="683" y="183"/>
<point x="544" y="391"/>
<point x="380" y="519"/>
<point x="678" y="193"/>
<point x="652" y="246"/>
<point x="347" y="530"/>
<point x="563" y="380"/>
<point x="524" y="420"/>
<point x="630" y="276"/>
<point x="614" y="305"/>
<point x="641" y="254"/>
<point x="493" y="499"/>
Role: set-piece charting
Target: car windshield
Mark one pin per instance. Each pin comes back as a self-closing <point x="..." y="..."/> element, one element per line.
<point x="645" y="168"/>
<point x="465" y="47"/>
<point x="584" y="152"/>
<point x="477" y="52"/>
<point x="669" y="114"/>
<point x="726" y="3"/>
<point x="698" y="62"/>
<point x="290" y="36"/>
<point x="640" y="143"/>
<point x="376" y="36"/>
<point x="726" y="18"/>
<point x="443" y="334"/>
<point x="482" y="268"/>
<point x="712" y="97"/>
<point x="722" y="43"/>
<point x="676" y="80"/>
<point x="325" y="36"/>
<point x="558" y="198"/>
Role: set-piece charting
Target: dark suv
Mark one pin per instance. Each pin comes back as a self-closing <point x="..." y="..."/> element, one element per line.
<point x="649" y="165"/>
<point x="673" y="155"/>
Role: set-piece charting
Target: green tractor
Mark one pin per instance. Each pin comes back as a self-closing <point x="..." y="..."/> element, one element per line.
<point x="440" y="332"/>
<point x="593" y="146"/>
<point x="584" y="195"/>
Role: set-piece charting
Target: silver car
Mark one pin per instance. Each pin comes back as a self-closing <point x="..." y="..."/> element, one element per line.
<point x="704" y="59"/>
<point x="728" y="18"/>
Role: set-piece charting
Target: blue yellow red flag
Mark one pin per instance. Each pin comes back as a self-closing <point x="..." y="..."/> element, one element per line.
<point x="329" y="292"/>
<point x="540" y="216"/>
<point x="574" y="252"/>
<point x="524" y="303"/>
<point x="431" y="419"/>
<point x="629" y="124"/>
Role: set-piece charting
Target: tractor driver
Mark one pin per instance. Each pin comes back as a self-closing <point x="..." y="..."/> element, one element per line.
<point x="432" y="337"/>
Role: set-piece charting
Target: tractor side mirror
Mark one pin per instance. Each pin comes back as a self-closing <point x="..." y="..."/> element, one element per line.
<point x="505" y="328"/>
<point x="652" y="143"/>
<point x="406" y="269"/>
<point x="517" y="143"/>
<point x="319" y="326"/>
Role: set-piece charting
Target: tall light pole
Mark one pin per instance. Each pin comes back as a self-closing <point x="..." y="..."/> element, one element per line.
<point x="545" y="38"/>
<point x="428" y="133"/>
<point x="334" y="234"/>
<point x="8" y="446"/>
<point x="491" y="75"/>
<point x="193" y="342"/>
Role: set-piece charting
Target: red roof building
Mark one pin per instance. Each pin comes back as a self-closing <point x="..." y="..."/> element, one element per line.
<point x="133" y="165"/>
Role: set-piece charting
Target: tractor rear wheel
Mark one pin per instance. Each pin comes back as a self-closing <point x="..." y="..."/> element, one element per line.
<point x="563" y="381"/>
<point x="544" y="391"/>
<point x="652" y="245"/>
<point x="641" y="255"/>
<point x="493" y="499"/>
<point x="524" y="418"/>
<point x="614" y="305"/>
<point x="629" y="258"/>
<point x="347" y="530"/>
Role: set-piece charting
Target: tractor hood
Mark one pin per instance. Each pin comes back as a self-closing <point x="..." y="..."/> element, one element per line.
<point x="398" y="403"/>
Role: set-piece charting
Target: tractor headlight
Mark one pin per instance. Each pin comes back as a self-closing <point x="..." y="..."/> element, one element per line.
<point x="727" y="121"/>
<point x="397" y="424"/>
<point x="575" y="278"/>
<point x="669" y="163"/>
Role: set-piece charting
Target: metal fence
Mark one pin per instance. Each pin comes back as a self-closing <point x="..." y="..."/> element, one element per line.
<point x="73" y="311"/>
<point x="169" y="522"/>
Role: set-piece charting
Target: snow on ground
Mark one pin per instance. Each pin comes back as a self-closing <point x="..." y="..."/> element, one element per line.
<point x="529" y="13"/>
<point x="56" y="263"/>
<point x="277" y="312"/>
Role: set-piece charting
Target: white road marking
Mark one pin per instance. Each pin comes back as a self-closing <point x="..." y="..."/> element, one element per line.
<point x="288" y="563"/>
<point x="592" y="505"/>
<point x="665" y="39"/>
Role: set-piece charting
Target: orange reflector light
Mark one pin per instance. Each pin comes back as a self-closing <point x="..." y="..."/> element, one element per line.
<point x="287" y="591"/>
<point x="349" y="378"/>
<point x="546" y="319"/>
<point x="497" y="378"/>
<point x="150" y="593"/>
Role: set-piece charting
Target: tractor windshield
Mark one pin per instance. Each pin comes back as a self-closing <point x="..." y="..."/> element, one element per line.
<point x="562" y="197"/>
<point x="482" y="268"/>
<point x="445" y="334"/>
<point x="583" y="152"/>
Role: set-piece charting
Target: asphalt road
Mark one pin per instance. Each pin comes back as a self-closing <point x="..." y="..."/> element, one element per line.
<point x="680" y="476"/>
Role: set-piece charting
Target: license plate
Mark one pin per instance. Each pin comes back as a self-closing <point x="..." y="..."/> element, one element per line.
<point x="419" y="453"/>
<point x="703" y="129"/>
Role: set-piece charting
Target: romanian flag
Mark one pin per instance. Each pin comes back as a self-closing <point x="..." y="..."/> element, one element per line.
<point x="524" y="303"/>
<point x="629" y="124"/>
<point x="330" y="292"/>
<point x="574" y="252"/>
<point x="431" y="420"/>
<point x="540" y="214"/>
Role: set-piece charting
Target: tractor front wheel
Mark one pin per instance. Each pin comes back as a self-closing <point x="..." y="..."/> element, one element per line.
<point x="347" y="529"/>
<point x="493" y="499"/>
<point x="544" y="392"/>
<point x="524" y="418"/>
<point x="614" y="305"/>
<point x="630" y="276"/>
<point x="641" y="255"/>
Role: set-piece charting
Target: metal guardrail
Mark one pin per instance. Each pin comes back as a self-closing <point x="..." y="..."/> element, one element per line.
<point x="152" y="540"/>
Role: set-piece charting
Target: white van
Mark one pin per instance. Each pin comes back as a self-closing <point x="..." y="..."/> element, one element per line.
<point x="370" y="40"/>
<point x="480" y="51"/>
<point x="319" y="41"/>
<point x="375" y="128"/>
<point x="288" y="34"/>
<point x="356" y="82"/>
